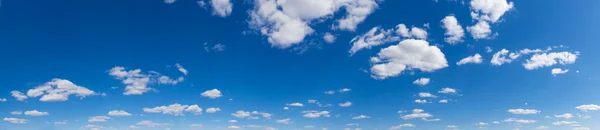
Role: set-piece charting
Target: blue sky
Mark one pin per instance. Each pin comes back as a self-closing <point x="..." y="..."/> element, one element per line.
<point x="299" y="64"/>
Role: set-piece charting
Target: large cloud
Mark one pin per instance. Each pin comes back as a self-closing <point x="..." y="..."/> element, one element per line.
<point x="407" y="55"/>
<point x="54" y="91"/>
<point x="221" y="8"/>
<point x="454" y="31"/>
<point x="486" y="11"/>
<point x="549" y="59"/>
<point x="175" y="109"/>
<point x="378" y="36"/>
<point x="137" y="82"/>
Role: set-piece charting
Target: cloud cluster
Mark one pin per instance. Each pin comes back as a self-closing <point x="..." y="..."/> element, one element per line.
<point x="137" y="82"/>
<point x="55" y="90"/>
<point x="407" y="55"/>
<point x="175" y="109"/>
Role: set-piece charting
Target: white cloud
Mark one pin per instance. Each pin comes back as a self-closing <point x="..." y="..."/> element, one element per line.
<point x="3" y="100"/>
<point x="329" y="38"/>
<point x="16" y="120"/>
<point x="356" y="12"/>
<point x="417" y="113"/>
<point x="137" y="82"/>
<point x="443" y="101"/>
<point x="422" y="81"/>
<point x="588" y="107"/>
<point x="181" y="69"/>
<point x="420" y="101"/>
<point x="232" y="121"/>
<point x="57" y="90"/>
<point x="149" y="123"/>
<point x="407" y="55"/>
<point x="454" y="31"/>
<point x="344" y="90"/>
<point x="524" y="111"/>
<point x="345" y="104"/>
<point x="566" y="116"/>
<point x="284" y="121"/>
<point x="36" y="113"/>
<point x="481" y="124"/>
<point x="241" y="114"/>
<point x="374" y="37"/>
<point x="398" y="127"/>
<point x="476" y="59"/>
<point x="16" y="113"/>
<point x="500" y="57"/>
<point x="118" y="113"/>
<point x="414" y="32"/>
<point x="212" y="110"/>
<point x="169" y="1"/>
<point x="557" y="71"/>
<point x="315" y="114"/>
<point x="234" y="127"/>
<point x="221" y="8"/>
<point x="360" y="117"/>
<point x="286" y="108"/>
<point x="426" y="95"/>
<point x="548" y="59"/>
<point x="212" y="94"/>
<point x="193" y="109"/>
<point x="490" y="10"/>
<point x="519" y="121"/>
<point x="447" y="90"/>
<point x="98" y="119"/>
<point x="166" y="80"/>
<point x="481" y="30"/>
<point x="18" y="95"/>
<point x="564" y="122"/>
<point x="173" y="109"/>
<point x="330" y="92"/>
<point x="296" y="104"/>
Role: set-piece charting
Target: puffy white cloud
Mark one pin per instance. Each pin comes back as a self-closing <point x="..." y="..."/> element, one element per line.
<point x="149" y="123"/>
<point x="501" y="57"/>
<point x="519" y="121"/>
<point x="447" y="90"/>
<point x="36" y="113"/>
<point x="330" y="92"/>
<point x="181" y="69"/>
<point x="212" y="94"/>
<point x="241" y="114"/>
<point x="417" y="113"/>
<point x="212" y="110"/>
<point x="166" y="80"/>
<point x="476" y="59"/>
<point x="329" y="38"/>
<point x="443" y="101"/>
<point x="374" y="37"/>
<point x="16" y="112"/>
<point x="193" y="109"/>
<point x="16" y="120"/>
<point x="98" y="119"/>
<point x="588" y="107"/>
<point x="137" y="82"/>
<point x="398" y="127"/>
<point x="316" y="114"/>
<point x="284" y="121"/>
<point x="414" y="32"/>
<point x="566" y="116"/>
<point x="426" y="95"/>
<point x="234" y="127"/>
<point x="422" y="81"/>
<point x="118" y="113"/>
<point x="344" y="90"/>
<point x="356" y="12"/>
<point x="564" y="122"/>
<point x="345" y="104"/>
<point x="481" y="30"/>
<point x="407" y="55"/>
<point x="56" y="90"/>
<point x="18" y="95"/>
<point x="360" y="117"/>
<point x="490" y="10"/>
<point x="454" y="31"/>
<point x="296" y="104"/>
<point x="173" y="109"/>
<point x="3" y="100"/>
<point x="524" y="111"/>
<point x="549" y="59"/>
<point x="421" y="101"/>
<point x="221" y="8"/>
<point x="286" y="108"/>
<point x="557" y="71"/>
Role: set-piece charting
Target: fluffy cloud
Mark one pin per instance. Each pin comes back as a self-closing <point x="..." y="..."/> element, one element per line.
<point x="414" y="32"/>
<point x="490" y="10"/>
<point x="181" y="69"/>
<point x="454" y="31"/>
<point x="249" y="115"/>
<point x="475" y="59"/>
<point x="421" y="101"/>
<point x="549" y="59"/>
<point x="422" y="81"/>
<point x="316" y="114"/>
<point x="212" y="110"/>
<point x="137" y="82"/>
<point x="374" y="37"/>
<point x="356" y="12"/>
<point x="523" y="111"/>
<point x="16" y="112"/>
<point x="98" y="119"/>
<point x="588" y="107"/>
<point x="148" y="123"/>
<point x="443" y="101"/>
<point x="500" y="57"/>
<point x="175" y="109"/>
<point x="329" y="38"/>
<point x="557" y="71"/>
<point x="519" y="121"/>
<point x="417" y="113"/>
<point x="118" y="113"/>
<point x="284" y="121"/>
<point x="447" y="90"/>
<point x="3" y="100"/>
<point x="345" y="104"/>
<point x="566" y="116"/>
<point x="16" y="120"/>
<point x="398" y="127"/>
<point x="36" y="113"/>
<point x="194" y="109"/>
<point x="296" y="104"/>
<point x="241" y="114"/>
<point x="426" y="95"/>
<point x="212" y="94"/>
<point x="18" y="95"/>
<point x="481" y="30"/>
<point x="360" y="117"/>
<point x="564" y="122"/>
<point x="407" y="55"/>
<point x="234" y="127"/>
<point x="221" y="8"/>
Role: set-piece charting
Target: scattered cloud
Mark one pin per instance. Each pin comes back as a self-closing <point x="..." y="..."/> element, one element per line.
<point x="421" y="101"/>
<point x="475" y="59"/>
<point x="407" y="55"/>
<point x="16" y="120"/>
<point x="175" y="109"/>
<point x="284" y="121"/>
<point x="118" y="113"/>
<point x="519" y="121"/>
<point x="36" y="113"/>
<point x="360" y="117"/>
<point x="213" y="110"/>
<point x="212" y="94"/>
<point x="316" y="114"/>
<point x="221" y="8"/>
<point x="447" y="91"/>
<point x="549" y="59"/>
<point x="565" y="116"/>
<point x="524" y="111"/>
<point x="557" y="71"/>
<point x="588" y="107"/>
<point x="345" y="104"/>
<point x="296" y="104"/>
<point x="55" y="90"/>
<point x="454" y="31"/>
<point x="329" y="38"/>
<point x="422" y="81"/>
<point x="417" y="113"/>
<point x="94" y="119"/>
<point x="137" y="82"/>
<point x="426" y="95"/>
<point x="564" y="122"/>
<point x="398" y="127"/>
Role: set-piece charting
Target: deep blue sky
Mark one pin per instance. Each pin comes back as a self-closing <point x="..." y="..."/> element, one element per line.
<point x="81" y="40"/>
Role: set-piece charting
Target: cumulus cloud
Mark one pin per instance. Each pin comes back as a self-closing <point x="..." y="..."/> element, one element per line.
<point x="557" y="71"/>
<point x="475" y="59"/>
<point x="443" y="101"/>
<point x="329" y="38"/>
<point x="221" y="8"/>
<point x="407" y="55"/>
<point x="454" y="31"/>
<point x="490" y="10"/>
<point x="36" y="113"/>
<point x="296" y="104"/>
<point x="345" y="104"/>
<point x="417" y="113"/>
<point x="175" y="109"/>
<point x="414" y="32"/>
<point x="54" y="91"/>
<point x="519" y="121"/>
<point x="481" y="30"/>
<point x="3" y="100"/>
<point x="241" y="114"/>
<point x="284" y="121"/>
<point x="98" y="119"/>
<point x="426" y="95"/>
<point x="16" y="112"/>
<point x="524" y="111"/>
<point x="374" y="37"/>
<point x="356" y="12"/>
<point x="18" y="95"/>
<point x="398" y="127"/>
<point x="422" y="81"/>
<point x="137" y="82"/>
<point x="194" y="109"/>
<point x="212" y="110"/>
<point x="588" y="107"/>
<point x="212" y="94"/>
<point x="421" y="101"/>
<point x="360" y="117"/>
<point x="316" y="114"/>
<point x="565" y="116"/>
<point x="16" y="120"/>
<point x="549" y="59"/>
<point x="447" y="90"/>
<point x="118" y="113"/>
